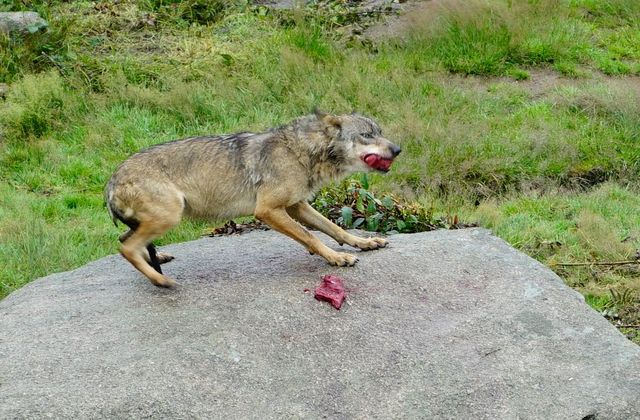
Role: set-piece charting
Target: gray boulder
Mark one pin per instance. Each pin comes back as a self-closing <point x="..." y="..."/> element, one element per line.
<point x="22" y="22"/>
<point x="446" y="324"/>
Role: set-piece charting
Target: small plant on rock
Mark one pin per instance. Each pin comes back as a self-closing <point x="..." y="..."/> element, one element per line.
<point x="353" y="206"/>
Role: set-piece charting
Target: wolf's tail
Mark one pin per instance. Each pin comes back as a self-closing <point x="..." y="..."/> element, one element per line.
<point x="108" y="200"/>
<point x="114" y="212"/>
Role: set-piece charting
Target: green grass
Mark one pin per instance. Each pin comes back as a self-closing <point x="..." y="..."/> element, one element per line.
<point x="497" y="37"/>
<point x="553" y="170"/>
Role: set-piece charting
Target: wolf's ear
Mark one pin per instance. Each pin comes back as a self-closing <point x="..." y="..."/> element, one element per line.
<point x="332" y="120"/>
<point x="328" y="119"/>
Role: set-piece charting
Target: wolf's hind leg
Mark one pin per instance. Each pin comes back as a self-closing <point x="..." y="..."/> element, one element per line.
<point x="153" y="258"/>
<point x="134" y="249"/>
<point x="153" y="218"/>
<point x="162" y="257"/>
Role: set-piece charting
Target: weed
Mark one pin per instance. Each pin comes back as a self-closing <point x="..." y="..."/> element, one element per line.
<point x="622" y="297"/>
<point x="599" y="303"/>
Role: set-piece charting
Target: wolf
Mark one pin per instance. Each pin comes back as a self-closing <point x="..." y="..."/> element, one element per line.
<point x="271" y="175"/>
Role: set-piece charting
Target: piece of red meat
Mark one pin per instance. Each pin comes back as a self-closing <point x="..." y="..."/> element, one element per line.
<point x="331" y="290"/>
<point x="378" y="162"/>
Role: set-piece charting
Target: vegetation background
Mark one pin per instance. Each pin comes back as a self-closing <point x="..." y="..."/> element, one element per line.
<point x="522" y="116"/>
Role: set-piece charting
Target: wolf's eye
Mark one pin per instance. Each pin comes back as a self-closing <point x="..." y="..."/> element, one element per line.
<point x="367" y="135"/>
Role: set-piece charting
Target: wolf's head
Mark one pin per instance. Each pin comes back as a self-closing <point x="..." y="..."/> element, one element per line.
<point x="359" y="141"/>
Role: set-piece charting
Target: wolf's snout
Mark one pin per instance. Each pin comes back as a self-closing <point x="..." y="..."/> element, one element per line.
<point x="395" y="150"/>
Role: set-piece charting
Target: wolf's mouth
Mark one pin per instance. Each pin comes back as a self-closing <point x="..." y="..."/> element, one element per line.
<point x="377" y="162"/>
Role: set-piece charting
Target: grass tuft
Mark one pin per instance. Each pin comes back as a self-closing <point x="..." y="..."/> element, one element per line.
<point x="34" y="106"/>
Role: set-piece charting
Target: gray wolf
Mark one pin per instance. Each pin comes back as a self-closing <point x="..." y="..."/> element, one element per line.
<point x="271" y="175"/>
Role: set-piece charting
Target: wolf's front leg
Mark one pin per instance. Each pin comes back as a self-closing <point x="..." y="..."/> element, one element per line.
<point x="306" y="214"/>
<point x="279" y="220"/>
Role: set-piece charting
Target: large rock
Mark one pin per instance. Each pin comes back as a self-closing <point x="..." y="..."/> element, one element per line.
<point x="22" y="22"/>
<point x="448" y="324"/>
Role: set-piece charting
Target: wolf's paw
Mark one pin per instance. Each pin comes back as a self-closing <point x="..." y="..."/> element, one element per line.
<point x="163" y="281"/>
<point x="163" y="257"/>
<point x="371" y="243"/>
<point x="342" y="259"/>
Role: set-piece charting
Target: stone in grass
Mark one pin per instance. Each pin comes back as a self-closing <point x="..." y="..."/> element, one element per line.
<point x="21" y="22"/>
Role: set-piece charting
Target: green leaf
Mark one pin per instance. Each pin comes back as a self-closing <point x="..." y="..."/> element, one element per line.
<point x="368" y="194"/>
<point x="358" y="222"/>
<point x="373" y="222"/>
<point x="364" y="181"/>
<point x="360" y="204"/>
<point x="388" y="203"/>
<point x="347" y="216"/>
<point x="371" y="207"/>
<point x="400" y="225"/>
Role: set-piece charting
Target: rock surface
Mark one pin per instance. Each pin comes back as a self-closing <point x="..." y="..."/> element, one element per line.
<point x="446" y="324"/>
<point x="24" y="22"/>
